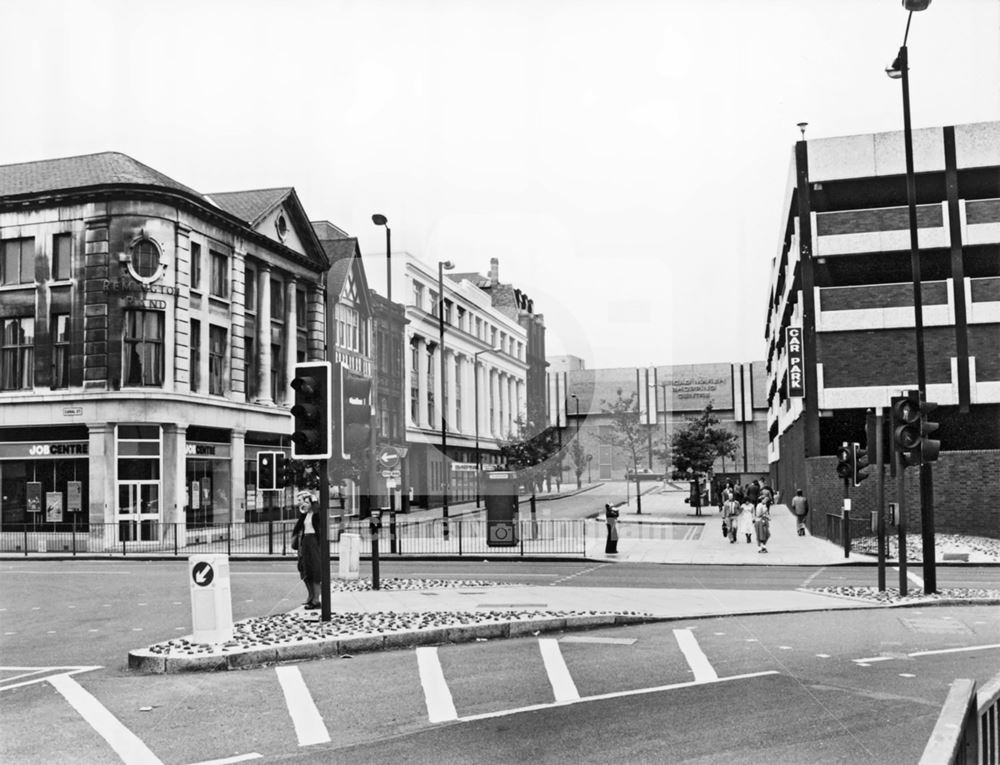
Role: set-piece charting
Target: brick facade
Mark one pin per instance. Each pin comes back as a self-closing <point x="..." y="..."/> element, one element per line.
<point x="883" y="356"/>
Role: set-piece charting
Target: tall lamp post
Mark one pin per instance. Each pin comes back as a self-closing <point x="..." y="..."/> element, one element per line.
<point x="380" y="220"/>
<point x="475" y="380"/>
<point x="443" y="265"/>
<point x="573" y="396"/>
<point x="666" y="449"/>
<point x="899" y="70"/>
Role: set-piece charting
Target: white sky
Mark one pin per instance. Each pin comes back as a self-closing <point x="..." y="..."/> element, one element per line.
<point x="626" y="161"/>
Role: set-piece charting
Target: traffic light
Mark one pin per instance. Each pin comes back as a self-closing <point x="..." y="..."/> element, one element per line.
<point x="859" y="461"/>
<point x="929" y="447"/>
<point x="356" y="412"/>
<point x="311" y="437"/>
<point x="265" y="471"/>
<point x="906" y="435"/>
<point x="282" y="471"/>
<point x="845" y="460"/>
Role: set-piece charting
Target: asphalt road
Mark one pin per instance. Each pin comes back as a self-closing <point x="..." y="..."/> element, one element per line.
<point x="845" y="687"/>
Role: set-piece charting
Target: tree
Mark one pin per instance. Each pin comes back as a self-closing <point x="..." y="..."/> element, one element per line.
<point x="700" y="443"/>
<point x="531" y="455"/>
<point x="626" y="429"/>
<point x="579" y="458"/>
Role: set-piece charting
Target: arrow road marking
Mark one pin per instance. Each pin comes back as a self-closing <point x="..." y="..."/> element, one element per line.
<point x="126" y="744"/>
<point x="440" y="706"/>
<point x="696" y="658"/>
<point x="563" y="687"/>
<point x="308" y="722"/>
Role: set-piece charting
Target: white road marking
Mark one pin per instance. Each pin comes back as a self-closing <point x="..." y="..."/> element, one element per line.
<point x="812" y="576"/>
<point x="606" y="696"/>
<point x="563" y="687"/>
<point x="873" y="659"/>
<point x="906" y="674"/>
<point x="228" y="760"/>
<point x="126" y="744"/>
<point x="956" y="650"/>
<point x="605" y="640"/>
<point x="823" y="655"/>
<point x="440" y="706"/>
<point x="309" y="727"/>
<point x="785" y="647"/>
<point x="696" y="658"/>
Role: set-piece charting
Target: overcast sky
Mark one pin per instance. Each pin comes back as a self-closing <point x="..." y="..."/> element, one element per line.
<point x="626" y="161"/>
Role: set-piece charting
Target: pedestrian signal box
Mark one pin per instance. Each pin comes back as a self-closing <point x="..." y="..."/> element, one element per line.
<point x="500" y="491"/>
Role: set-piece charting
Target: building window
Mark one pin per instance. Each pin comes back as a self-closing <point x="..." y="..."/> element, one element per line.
<point x="216" y="360"/>
<point x="277" y="300"/>
<point x="277" y="370"/>
<point x="251" y="290"/>
<point x="17" y="356"/>
<point x="352" y="333"/>
<point x="434" y="303"/>
<point x="220" y="274"/>
<point x="195" y="266"/>
<point x="145" y="259"/>
<point x="18" y="263"/>
<point x="60" y="350"/>
<point x="383" y="417"/>
<point x="300" y="309"/>
<point x="195" y="355"/>
<point x="461" y="318"/>
<point x="250" y="346"/>
<point x="418" y="295"/>
<point x="414" y="384"/>
<point x="62" y="245"/>
<point x="142" y="359"/>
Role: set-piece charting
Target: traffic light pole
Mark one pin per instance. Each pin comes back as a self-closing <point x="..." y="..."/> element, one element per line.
<point x="880" y="497"/>
<point x="901" y="521"/>
<point x="324" y="539"/>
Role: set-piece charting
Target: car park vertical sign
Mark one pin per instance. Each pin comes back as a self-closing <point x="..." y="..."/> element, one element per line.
<point x="796" y="373"/>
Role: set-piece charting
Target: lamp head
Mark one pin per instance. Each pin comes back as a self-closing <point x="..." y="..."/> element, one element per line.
<point x="802" y="128"/>
<point x="379" y="220"/>
<point x="916" y="5"/>
<point x="895" y="69"/>
<point x="447" y="265"/>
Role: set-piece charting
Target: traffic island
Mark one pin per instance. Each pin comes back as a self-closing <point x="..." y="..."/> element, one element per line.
<point x="299" y="636"/>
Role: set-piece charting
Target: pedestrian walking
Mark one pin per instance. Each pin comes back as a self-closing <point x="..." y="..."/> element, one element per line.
<point x="762" y="525"/>
<point x="732" y="512"/>
<point x="305" y="540"/>
<point x="611" y="519"/>
<point x="745" y="522"/>
<point x="800" y="509"/>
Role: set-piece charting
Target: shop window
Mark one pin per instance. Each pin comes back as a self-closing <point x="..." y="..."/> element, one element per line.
<point x="195" y="355"/>
<point x="17" y="265"/>
<point x="62" y="245"/>
<point x="216" y="360"/>
<point x="142" y="359"/>
<point x="17" y="354"/>
<point x="220" y="274"/>
<point x="60" y="350"/>
<point x="195" y="266"/>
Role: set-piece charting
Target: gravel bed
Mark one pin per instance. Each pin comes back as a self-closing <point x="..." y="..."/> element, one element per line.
<point x="973" y="549"/>
<point x="977" y="596"/>
<point x="362" y="585"/>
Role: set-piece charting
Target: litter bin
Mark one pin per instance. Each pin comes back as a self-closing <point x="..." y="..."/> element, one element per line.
<point x="211" y="600"/>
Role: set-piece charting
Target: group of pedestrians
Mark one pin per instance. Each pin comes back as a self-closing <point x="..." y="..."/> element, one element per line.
<point x="746" y="513"/>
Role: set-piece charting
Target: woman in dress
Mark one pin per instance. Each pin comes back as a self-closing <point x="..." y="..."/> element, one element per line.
<point x="746" y="520"/>
<point x="309" y="564"/>
<point x="762" y="525"/>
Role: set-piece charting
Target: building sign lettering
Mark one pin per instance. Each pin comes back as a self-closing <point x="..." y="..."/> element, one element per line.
<point x="137" y="294"/>
<point x="796" y="368"/>
<point x="46" y="450"/>
<point x="694" y="387"/>
<point x="193" y="449"/>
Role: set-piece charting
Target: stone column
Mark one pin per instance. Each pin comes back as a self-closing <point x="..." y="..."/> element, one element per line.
<point x="451" y="363"/>
<point x="291" y="337"/>
<point x="495" y="403"/>
<point x="420" y="421"/>
<point x="237" y="486"/>
<point x="264" y="395"/>
<point x="102" y="470"/>
<point x="173" y="487"/>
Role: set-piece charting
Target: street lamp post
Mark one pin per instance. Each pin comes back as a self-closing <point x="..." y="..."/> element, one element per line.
<point x="475" y="380"/>
<point x="380" y="220"/>
<point x="899" y="69"/>
<point x="665" y="449"/>
<point x="573" y="396"/>
<point x="443" y="265"/>
<point x="589" y="458"/>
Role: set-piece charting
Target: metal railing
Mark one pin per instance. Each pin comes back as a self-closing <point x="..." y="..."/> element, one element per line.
<point x="967" y="731"/>
<point x="265" y="538"/>
<point x="854" y="534"/>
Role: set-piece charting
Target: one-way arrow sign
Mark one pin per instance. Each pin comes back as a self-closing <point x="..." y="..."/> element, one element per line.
<point x="203" y="574"/>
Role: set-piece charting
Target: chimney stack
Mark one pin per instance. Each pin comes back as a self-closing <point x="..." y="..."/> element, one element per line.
<point x="494" y="271"/>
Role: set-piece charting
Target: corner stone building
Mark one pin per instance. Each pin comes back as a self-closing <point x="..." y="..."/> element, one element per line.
<point x="149" y="336"/>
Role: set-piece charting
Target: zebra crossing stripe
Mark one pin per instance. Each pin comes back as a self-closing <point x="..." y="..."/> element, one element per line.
<point x="309" y="727"/>
<point x="440" y="707"/>
<point x="562" y="683"/>
<point x="696" y="658"/>
<point x="126" y="744"/>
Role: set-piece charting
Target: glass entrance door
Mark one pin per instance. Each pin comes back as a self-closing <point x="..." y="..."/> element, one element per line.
<point x="138" y="511"/>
